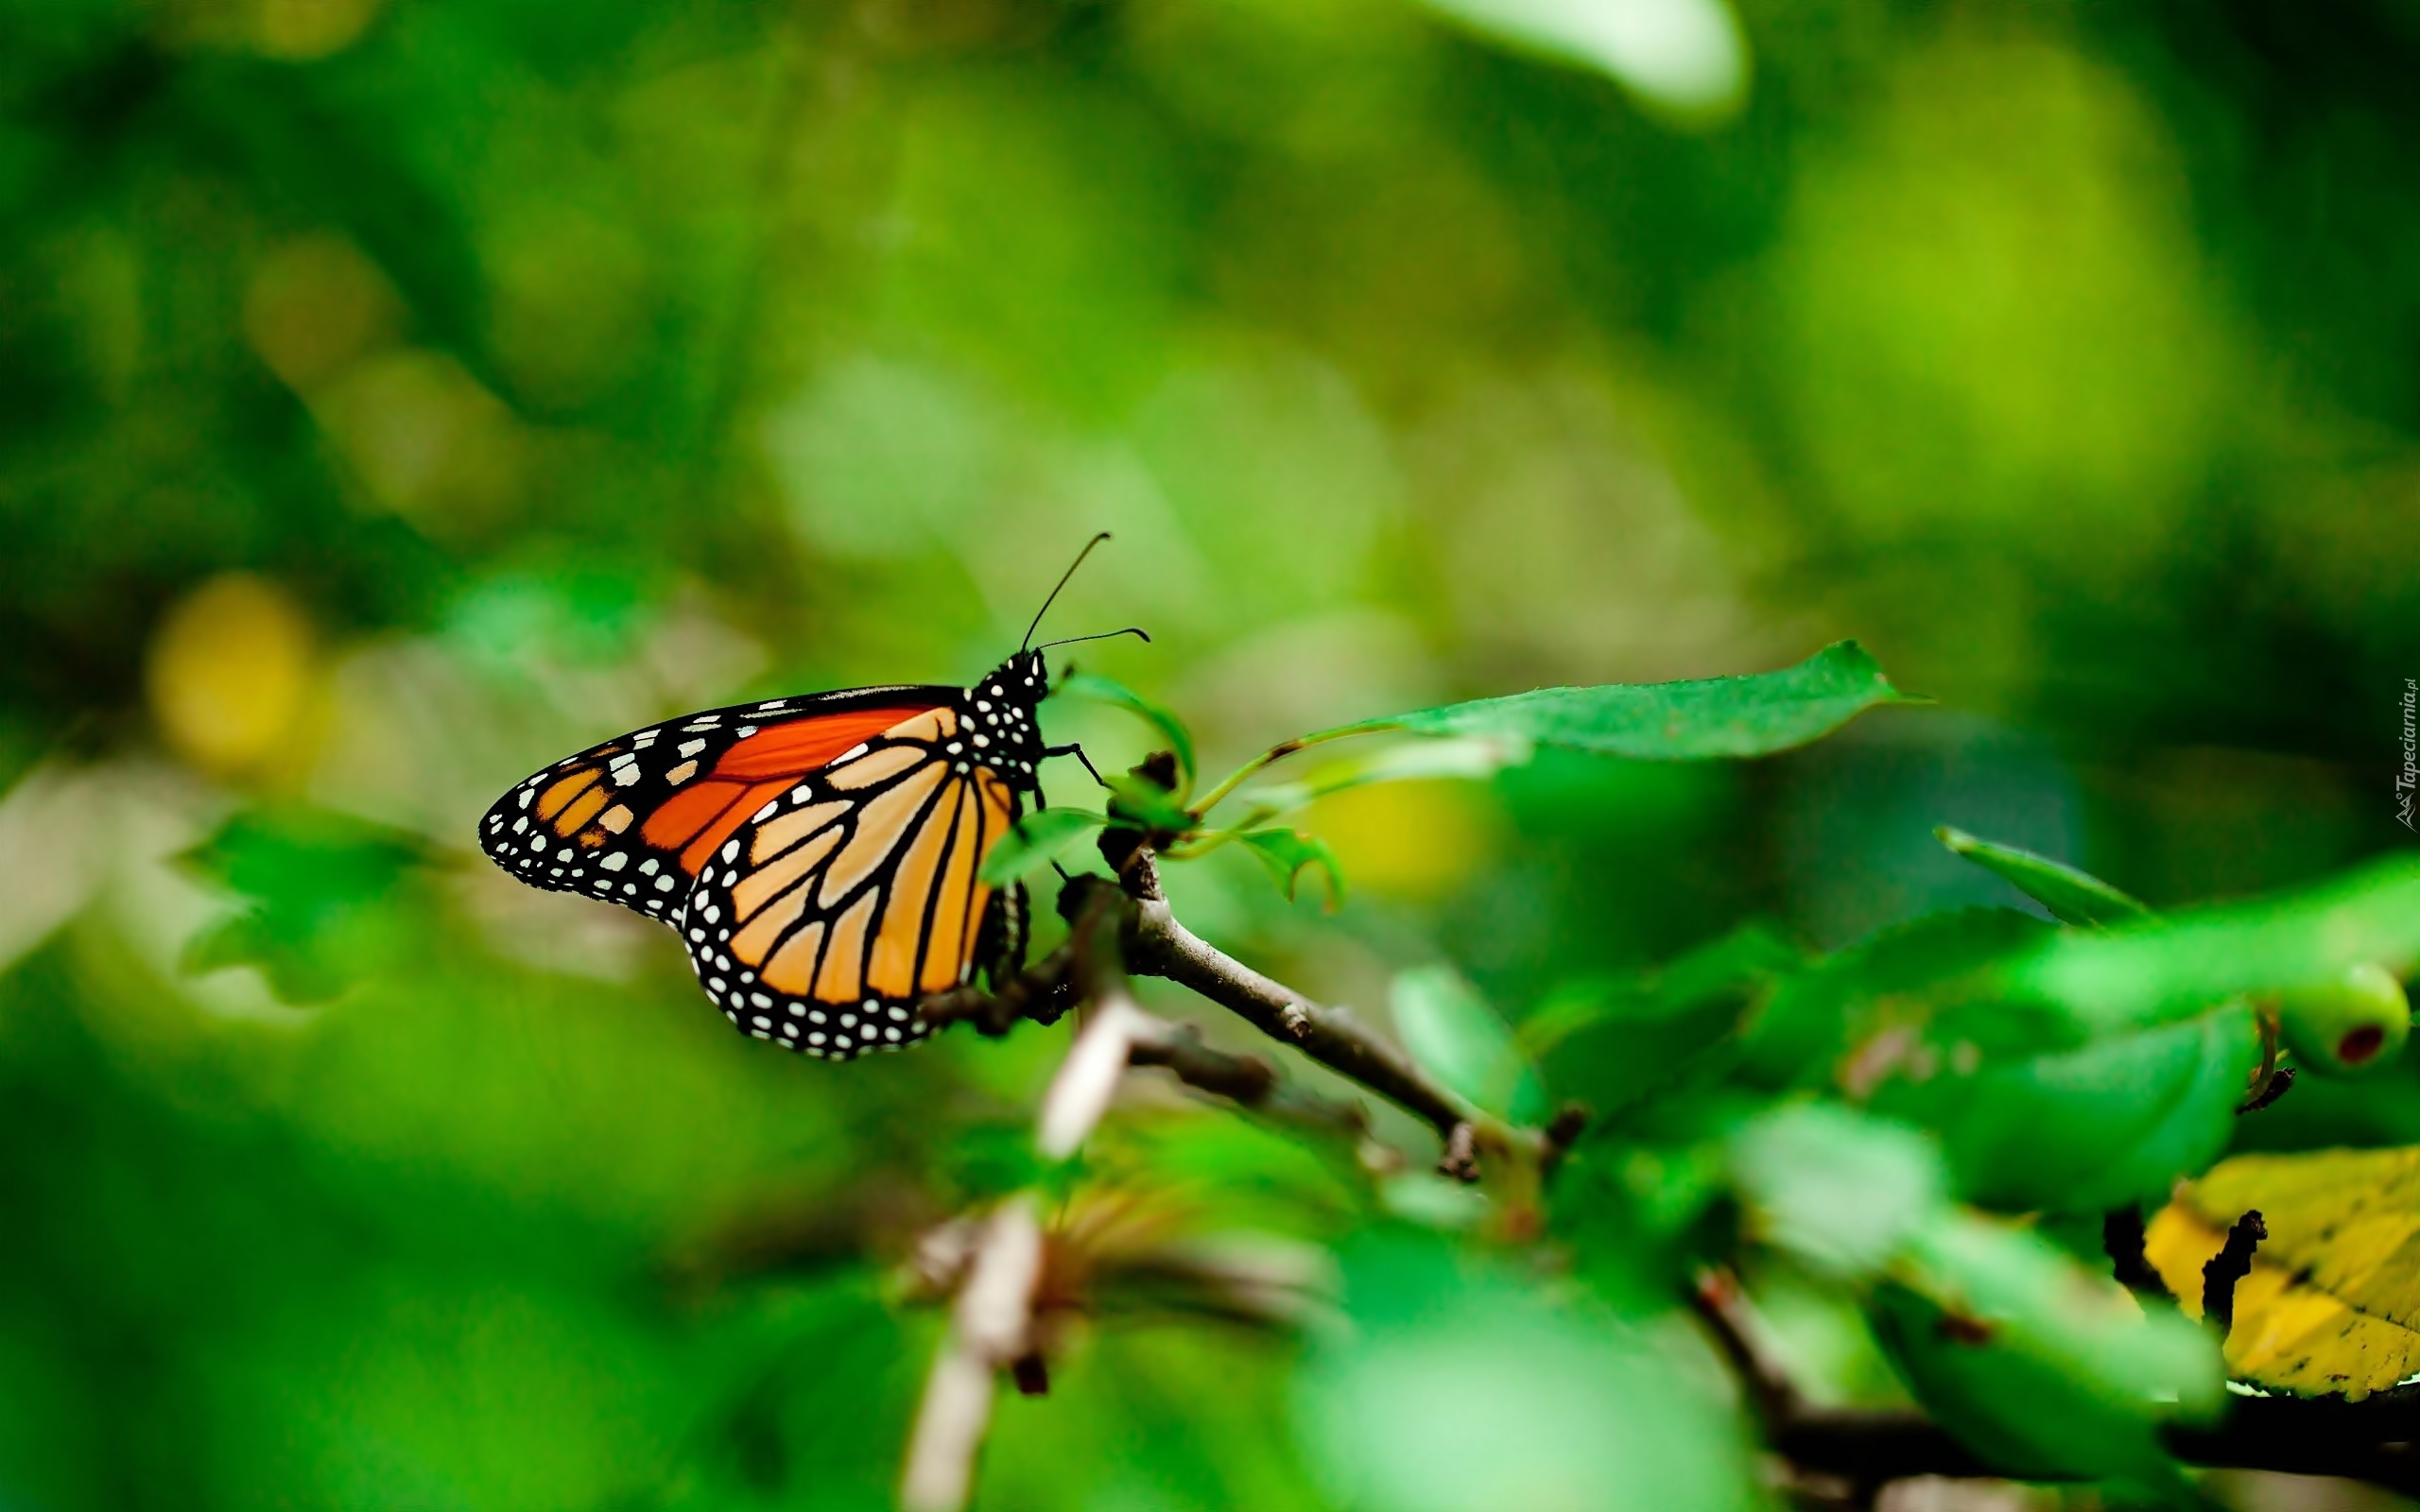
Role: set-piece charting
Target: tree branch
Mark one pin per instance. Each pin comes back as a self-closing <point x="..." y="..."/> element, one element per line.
<point x="990" y="1331"/>
<point x="1120" y="1034"/>
<point x="1042" y="992"/>
<point x="2370" y="1440"/>
<point x="2287" y="1435"/>
<point x="1153" y="943"/>
<point x="1158" y="944"/>
<point x="1246" y="1080"/>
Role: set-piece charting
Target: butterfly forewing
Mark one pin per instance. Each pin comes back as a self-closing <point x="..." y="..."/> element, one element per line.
<point x="634" y="820"/>
<point x="836" y="905"/>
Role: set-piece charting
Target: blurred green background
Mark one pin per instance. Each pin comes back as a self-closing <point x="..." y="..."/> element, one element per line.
<point x="397" y="394"/>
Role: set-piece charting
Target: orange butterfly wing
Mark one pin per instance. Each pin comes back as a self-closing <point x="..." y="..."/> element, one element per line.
<point x="633" y="820"/>
<point x="824" y="915"/>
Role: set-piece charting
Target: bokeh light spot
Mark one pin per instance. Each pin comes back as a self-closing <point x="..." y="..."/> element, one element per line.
<point x="230" y="674"/>
<point x="303" y="30"/>
<point x="315" y="306"/>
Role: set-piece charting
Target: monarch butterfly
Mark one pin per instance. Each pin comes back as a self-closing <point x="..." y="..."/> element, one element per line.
<point x="820" y="856"/>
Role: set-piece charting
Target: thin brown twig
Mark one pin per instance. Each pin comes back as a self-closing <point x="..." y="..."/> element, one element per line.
<point x="2372" y="1441"/>
<point x="1158" y="944"/>
<point x="2280" y="1081"/>
<point x="1246" y="1080"/>
<point x="990" y="1331"/>
<point x="1718" y="1302"/>
<point x="1122" y="1035"/>
<point x="1042" y="992"/>
<point x="1865" y="1450"/>
<point x="2288" y="1435"/>
<point x="1562" y="1132"/>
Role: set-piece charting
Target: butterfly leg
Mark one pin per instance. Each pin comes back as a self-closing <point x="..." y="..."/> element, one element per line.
<point x="1071" y="749"/>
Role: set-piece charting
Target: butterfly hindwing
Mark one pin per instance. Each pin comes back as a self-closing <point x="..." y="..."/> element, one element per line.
<point x="633" y="820"/>
<point x="831" y="910"/>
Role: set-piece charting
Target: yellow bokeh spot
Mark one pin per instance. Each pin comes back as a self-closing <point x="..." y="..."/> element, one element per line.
<point x="231" y="675"/>
<point x="316" y="307"/>
<point x="1416" y="839"/>
<point x="293" y="31"/>
<point x="426" y="440"/>
<point x="300" y="31"/>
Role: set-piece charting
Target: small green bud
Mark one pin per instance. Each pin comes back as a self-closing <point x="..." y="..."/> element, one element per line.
<point x="2350" y="1026"/>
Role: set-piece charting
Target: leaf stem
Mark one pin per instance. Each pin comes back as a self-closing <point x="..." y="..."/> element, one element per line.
<point x="1201" y="842"/>
<point x="1279" y="753"/>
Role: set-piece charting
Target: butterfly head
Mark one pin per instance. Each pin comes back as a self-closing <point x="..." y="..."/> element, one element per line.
<point x="1024" y="677"/>
<point x="999" y="715"/>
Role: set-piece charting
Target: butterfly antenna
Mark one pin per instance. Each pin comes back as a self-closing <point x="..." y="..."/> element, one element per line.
<point x="1135" y="630"/>
<point x="1028" y="641"/>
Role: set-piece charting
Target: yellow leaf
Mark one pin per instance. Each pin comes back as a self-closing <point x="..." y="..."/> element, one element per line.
<point x="2332" y="1303"/>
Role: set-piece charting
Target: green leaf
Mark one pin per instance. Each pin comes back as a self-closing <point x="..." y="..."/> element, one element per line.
<point x="2177" y="965"/>
<point x="1463" y="1386"/>
<point x="1751" y="715"/>
<point x="2073" y="897"/>
<point x="314" y="887"/>
<point x="2082" y="1131"/>
<point x="1462" y="1042"/>
<point x="1475" y="758"/>
<point x="309" y="860"/>
<point x="1839" y="1021"/>
<point x="2038" y="1365"/>
<point x="1035" y="841"/>
<point x="1286" y="852"/>
<point x="1146" y="804"/>
<point x="1615" y="1041"/>
<point x="1842" y="1192"/>
<point x="1099" y="689"/>
<point x="1609" y="1194"/>
<point x="2038" y="1108"/>
<point x="299" y="968"/>
<point x="1721" y="971"/>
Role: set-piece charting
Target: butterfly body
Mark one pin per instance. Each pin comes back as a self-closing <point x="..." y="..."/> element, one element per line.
<point x="819" y="856"/>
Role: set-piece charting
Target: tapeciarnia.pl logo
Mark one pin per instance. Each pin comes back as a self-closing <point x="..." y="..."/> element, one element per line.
<point x="2407" y="779"/>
